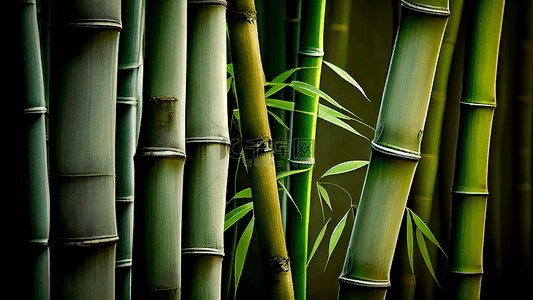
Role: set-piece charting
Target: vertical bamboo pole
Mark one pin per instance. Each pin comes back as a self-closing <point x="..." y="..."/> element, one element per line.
<point x="310" y="53"/>
<point x="34" y="190"/>
<point x="160" y="156"/>
<point x="83" y="87"/>
<point x="337" y="31"/>
<point x="469" y="192"/>
<point x="207" y="143"/>
<point x="395" y="150"/>
<point x="129" y="62"/>
<point x="257" y="144"/>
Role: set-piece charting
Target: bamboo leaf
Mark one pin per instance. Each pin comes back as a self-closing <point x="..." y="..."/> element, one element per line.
<point x="324" y="195"/>
<point x="236" y="114"/>
<point x="340" y="123"/>
<point x="246" y="193"/>
<point x="336" y="235"/>
<point x="241" y="251"/>
<point x="284" y="174"/>
<point x="283" y="76"/>
<point x="318" y="241"/>
<point x="340" y="187"/>
<point x="229" y="81"/>
<point x="281" y="104"/>
<point x="290" y="197"/>
<point x="410" y="240"/>
<point x="323" y="110"/>
<point x="425" y="254"/>
<point x="277" y="118"/>
<point x="426" y="231"/>
<point x="345" y="167"/>
<point x="312" y="91"/>
<point x="275" y="88"/>
<point x="229" y="68"/>
<point x="236" y="214"/>
<point x="344" y="75"/>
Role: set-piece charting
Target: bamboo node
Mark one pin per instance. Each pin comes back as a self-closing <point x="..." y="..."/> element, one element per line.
<point x="278" y="264"/>
<point x="163" y="98"/>
<point x="255" y="147"/>
<point x="426" y="9"/>
<point x="245" y="16"/>
<point x="207" y="2"/>
<point x="311" y="51"/>
<point x="402" y="153"/>
<point x="366" y="283"/>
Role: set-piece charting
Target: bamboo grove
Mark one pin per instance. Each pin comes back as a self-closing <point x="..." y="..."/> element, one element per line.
<point x="213" y="149"/>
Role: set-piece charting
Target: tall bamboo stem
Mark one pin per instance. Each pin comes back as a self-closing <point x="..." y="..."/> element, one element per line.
<point x="160" y="156"/>
<point x="469" y="192"/>
<point x="83" y="87"/>
<point x="395" y="150"/>
<point x="207" y="142"/>
<point x="310" y="53"/>
<point x="257" y="144"/>
<point x="34" y="192"/>
<point x="337" y="31"/>
<point x="129" y="62"/>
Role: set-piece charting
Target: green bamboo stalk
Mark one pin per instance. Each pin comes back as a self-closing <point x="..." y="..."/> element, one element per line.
<point x="337" y="31"/>
<point x="207" y="141"/>
<point x="160" y="156"/>
<point x="34" y="190"/>
<point x="302" y="140"/>
<point x="257" y="144"/>
<point x="83" y="87"/>
<point x="129" y="62"/>
<point x="469" y="192"/>
<point x="421" y="195"/>
<point x="395" y="150"/>
<point x="523" y="140"/>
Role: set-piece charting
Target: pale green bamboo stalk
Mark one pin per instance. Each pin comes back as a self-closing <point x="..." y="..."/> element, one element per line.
<point x="34" y="195"/>
<point x="83" y="87"/>
<point x="257" y="144"/>
<point x="395" y="150"/>
<point x="469" y="192"/>
<point x="303" y="134"/>
<point x="421" y="194"/>
<point x="207" y="140"/>
<point x="129" y="62"/>
<point x="160" y="156"/>
<point x="337" y="31"/>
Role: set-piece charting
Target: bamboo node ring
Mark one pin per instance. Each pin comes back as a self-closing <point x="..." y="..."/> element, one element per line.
<point x="245" y="16"/>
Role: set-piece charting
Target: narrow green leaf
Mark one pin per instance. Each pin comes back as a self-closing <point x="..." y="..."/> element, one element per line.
<point x="278" y="119"/>
<point x="425" y="254"/>
<point x="340" y="187"/>
<point x="340" y="123"/>
<point x="229" y="68"/>
<point x="426" y="231"/>
<point x="318" y="241"/>
<point x="312" y="91"/>
<point x="241" y="251"/>
<point x="283" y="76"/>
<point x="275" y="88"/>
<point x="236" y="114"/>
<point x="246" y="193"/>
<point x="290" y="197"/>
<point x="336" y="235"/>
<point x="324" y="195"/>
<point x="236" y="214"/>
<point x="345" y="167"/>
<point x="284" y="174"/>
<point x="344" y="75"/>
<point x="229" y="81"/>
<point x="410" y="240"/>
<point x="325" y="110"/>
<point x="281" y="104"/>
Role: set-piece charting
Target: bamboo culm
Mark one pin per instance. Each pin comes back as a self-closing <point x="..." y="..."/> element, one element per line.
<point x="160" y="155"/>
<point x="83" y="87"/>
<point x="394" y="156"/>
<point x="469" y="191"/>
<point x="257" y="144"/>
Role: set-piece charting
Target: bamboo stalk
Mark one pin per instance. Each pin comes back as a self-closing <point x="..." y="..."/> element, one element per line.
<point x="34" y="190"/>
<point x="421" y="195"/>
<point x="257" y="144"/>
<point x="208" y="146"/>
<point x="469" y="192"/>
<point x="395" y="150"/>
<point x="83" y="87"/>
<point x="302" y="140"/>
<point x="129" y="62"/>
<point x="337" y="31"/>
<point x="160" y="156"/>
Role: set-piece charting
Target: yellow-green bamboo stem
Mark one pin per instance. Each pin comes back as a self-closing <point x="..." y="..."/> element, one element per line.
<point x="129" y="62"/>
<point x="207" y="140"/>
<point x="83" y="87"/>
<point x="34" y="195"/>
<point x="257" y="144"/>
<point x="337" y="31"/>
<point x="303" y="136"/>
<point x="395" y="150"/>
<point x="469" y="192"/>
<point x="160" y="156"/>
